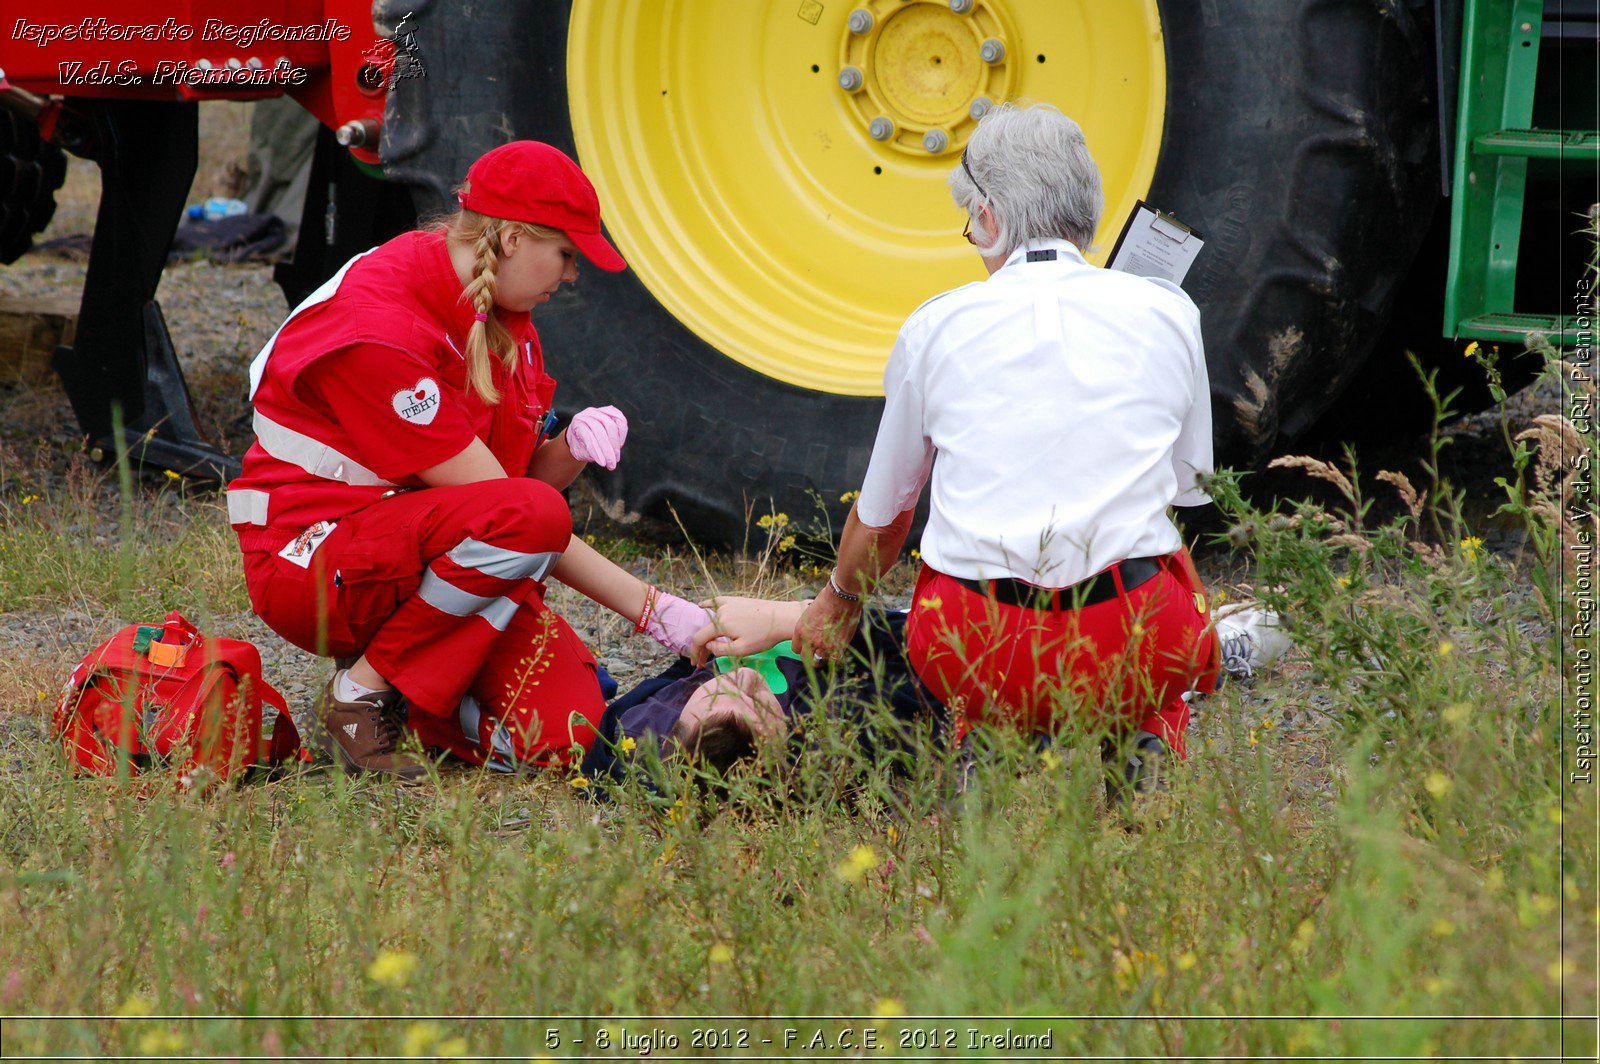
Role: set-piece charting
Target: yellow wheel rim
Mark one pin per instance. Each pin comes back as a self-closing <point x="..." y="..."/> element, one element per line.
<point x="791" y="213"/>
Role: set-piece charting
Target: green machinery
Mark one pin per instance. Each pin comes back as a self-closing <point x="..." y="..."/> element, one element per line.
<point x="1494" y="144"/>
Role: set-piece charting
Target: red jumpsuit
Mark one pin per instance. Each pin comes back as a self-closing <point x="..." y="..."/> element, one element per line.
<point x="347" y="552"/>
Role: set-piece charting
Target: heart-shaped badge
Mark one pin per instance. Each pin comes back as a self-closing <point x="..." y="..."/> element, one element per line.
<point x="418" y="404"/>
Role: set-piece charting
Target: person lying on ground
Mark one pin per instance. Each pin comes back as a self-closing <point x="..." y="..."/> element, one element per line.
<point x="719" y="712"/>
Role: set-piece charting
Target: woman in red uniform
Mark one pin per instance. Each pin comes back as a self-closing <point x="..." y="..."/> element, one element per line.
<point x="401" y="507"/>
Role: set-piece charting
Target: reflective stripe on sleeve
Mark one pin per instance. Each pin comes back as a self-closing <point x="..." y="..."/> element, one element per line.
<point x="490" y="560"/>
<point x="447" y="598"/>
<point x="247" y="506"/>
<point x="316" y="458"/>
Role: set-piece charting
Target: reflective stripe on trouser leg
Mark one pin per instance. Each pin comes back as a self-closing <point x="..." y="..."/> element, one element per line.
<point x="447" y="598"/>
<point x="506" y="564"/>
<point x="483" y="548"/>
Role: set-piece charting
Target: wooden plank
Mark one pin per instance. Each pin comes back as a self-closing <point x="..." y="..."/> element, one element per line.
<point x="30" y="329"/>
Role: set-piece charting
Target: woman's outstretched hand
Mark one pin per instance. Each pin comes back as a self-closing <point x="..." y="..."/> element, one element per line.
<point x="673" y="623"/>
<point x="743" y="626"/>
<point x="596" y="434"/>
<point x="824" y="630"/>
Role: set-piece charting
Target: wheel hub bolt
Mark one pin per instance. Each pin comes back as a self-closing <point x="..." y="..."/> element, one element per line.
<point x="961" y="7"/>
<point x="860" y="20"/>
<point x="935" y="141"/>
<point x="881" y="128"/>
<point x="980" y="107"/>
<point x="850" y="79"/>
<point x="992" y="50"/>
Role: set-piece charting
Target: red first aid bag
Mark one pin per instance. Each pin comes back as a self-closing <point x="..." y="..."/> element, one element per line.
<point x="165" y="695"/>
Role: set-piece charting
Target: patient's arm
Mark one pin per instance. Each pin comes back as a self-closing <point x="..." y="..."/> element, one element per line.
<point x="745" y="626"/>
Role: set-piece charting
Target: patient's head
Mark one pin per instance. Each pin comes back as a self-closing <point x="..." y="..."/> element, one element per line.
<point x="727" y="719"/>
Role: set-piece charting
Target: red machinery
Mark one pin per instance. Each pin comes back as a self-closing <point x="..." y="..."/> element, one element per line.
<point x="120" y="86"/>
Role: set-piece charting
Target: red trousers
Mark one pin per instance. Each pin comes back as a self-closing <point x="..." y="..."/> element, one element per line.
<point x="442" y="590"/>
<point x="1121" y="665"/>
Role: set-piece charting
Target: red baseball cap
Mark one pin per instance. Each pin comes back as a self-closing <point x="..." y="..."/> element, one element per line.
<point x="526" y="181"/>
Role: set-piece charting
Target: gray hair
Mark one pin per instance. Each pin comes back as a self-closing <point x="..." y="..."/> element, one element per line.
<point x="1038" y="178"/>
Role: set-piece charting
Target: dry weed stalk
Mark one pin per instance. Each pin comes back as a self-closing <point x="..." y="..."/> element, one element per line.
<point x="1408" y="494"/>
<point x="1562" y="462"/>
<point x="1316" y="467"/>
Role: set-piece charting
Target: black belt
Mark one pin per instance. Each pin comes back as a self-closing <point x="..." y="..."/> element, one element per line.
<point x="1098" y="588"/>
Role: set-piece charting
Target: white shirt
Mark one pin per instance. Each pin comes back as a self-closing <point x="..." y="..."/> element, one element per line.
<point x="1061" y="408"/>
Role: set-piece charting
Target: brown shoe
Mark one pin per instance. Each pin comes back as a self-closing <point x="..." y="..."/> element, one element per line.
<point x="364" y="736"/>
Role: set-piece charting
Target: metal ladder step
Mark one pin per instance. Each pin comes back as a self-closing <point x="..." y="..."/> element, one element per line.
<point x="1573" y="145"/>
<point x="1560" y="329"/>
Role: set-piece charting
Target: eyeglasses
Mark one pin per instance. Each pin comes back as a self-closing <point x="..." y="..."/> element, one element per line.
<point x="970" y="177"/>
<point x="966" y="231"/>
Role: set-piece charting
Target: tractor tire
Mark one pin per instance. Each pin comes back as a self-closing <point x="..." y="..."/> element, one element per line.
<point x="1299" y="138"/>
<point x="31" y="170"/>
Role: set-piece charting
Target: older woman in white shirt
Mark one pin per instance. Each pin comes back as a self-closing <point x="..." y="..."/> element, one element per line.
<point x="1060" y="410"/>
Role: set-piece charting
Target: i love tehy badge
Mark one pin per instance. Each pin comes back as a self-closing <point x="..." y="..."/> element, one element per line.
<point x="418" y="404"/>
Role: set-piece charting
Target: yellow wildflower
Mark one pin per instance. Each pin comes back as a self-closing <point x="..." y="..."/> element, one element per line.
<point x="1303" y="936"/>
<point x="1252" y="738"/>
<point x="420" y="1039"/>
<point x="1438" y="784"/>
<point x="1554" y="813"/>
<point x="862" y="860"/>
<point x="888" y="1008"/>
<point x="171" y="474"/>
<point x="579" y="782"/>
<point x="719" y="953"/>
<point x="392" y="968"/>
<point x="1470" y="351"/>
<point x="627" y="744"/>
<point x="1559" y="970"/>
<point x="1446" y="648"/>
<point x="1471" y="547"/>
<point x="1050" y="760"/>
<point x="161" y="1042"/>
<point x="850" y="496"/>
<point x="1342" y="581"/>
<point x="135" y="1005"/>
<point x="1187" y="960"/>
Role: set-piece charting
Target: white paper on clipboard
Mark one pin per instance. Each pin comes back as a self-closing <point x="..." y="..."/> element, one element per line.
<point x="1155" y="244"/>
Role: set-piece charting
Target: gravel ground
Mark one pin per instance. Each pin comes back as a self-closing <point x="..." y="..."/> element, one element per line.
<point x="220" y="314"/>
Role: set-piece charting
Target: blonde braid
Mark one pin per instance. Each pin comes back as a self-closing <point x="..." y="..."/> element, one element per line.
<point x="487" y="339"/>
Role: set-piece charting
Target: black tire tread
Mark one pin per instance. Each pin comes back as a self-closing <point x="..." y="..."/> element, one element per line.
<point x="31" y="170"/>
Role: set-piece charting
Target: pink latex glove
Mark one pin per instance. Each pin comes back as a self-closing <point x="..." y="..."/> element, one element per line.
<point x="596" y="434"/>
<point x="674" y="621"/>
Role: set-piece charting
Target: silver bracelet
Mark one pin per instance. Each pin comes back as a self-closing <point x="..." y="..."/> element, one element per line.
<point x="833" y="585"/>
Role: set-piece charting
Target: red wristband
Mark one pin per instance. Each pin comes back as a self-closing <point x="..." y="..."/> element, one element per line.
<point x="650" y="593"/>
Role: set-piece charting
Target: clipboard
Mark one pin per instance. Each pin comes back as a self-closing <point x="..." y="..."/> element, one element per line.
<point x="1154" y="243"/>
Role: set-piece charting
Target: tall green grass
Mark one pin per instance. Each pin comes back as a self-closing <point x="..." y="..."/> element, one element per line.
<point x="1372" y="852"/>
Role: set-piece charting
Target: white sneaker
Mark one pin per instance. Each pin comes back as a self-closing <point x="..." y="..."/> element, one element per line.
<point x="1252" y="639"/>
